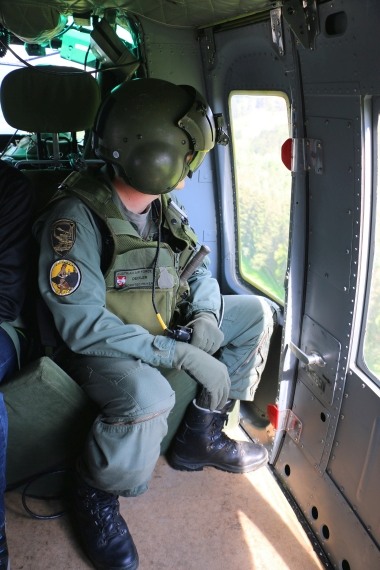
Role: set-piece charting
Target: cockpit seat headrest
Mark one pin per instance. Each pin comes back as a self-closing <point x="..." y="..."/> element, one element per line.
<point x="49" y="98"/>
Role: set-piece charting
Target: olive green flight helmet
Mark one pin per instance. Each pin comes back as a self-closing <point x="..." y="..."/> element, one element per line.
<point x="154" y="132"/>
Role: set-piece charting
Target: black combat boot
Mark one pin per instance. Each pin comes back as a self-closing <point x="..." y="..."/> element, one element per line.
<point x="105" y="535"/>
<point x="201" y="442"/>
<point x="4" y="559"/>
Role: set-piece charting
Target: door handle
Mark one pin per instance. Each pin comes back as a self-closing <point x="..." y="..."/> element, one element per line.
<point x="312" y="359"/>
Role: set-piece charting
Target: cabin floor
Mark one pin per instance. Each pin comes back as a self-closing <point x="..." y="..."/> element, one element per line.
<point x="204" y="520"/>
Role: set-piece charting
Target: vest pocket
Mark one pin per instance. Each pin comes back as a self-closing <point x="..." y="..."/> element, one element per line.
<point x="134" y="306"/>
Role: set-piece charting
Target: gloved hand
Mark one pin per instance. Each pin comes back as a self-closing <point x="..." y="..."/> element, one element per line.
<point x="206" y="334"/>
<point x="206" y="370"/>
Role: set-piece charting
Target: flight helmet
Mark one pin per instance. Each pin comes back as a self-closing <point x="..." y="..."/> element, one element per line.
<point x="154" y="133"/>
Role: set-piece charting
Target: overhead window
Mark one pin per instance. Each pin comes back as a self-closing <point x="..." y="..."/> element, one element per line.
<point x="260" y="125"/>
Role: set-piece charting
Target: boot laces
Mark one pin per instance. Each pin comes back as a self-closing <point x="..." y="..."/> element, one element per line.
<point x="219" y="438"/>
<point x="105" y="509"/>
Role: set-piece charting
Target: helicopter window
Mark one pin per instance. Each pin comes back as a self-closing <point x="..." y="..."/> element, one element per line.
<point x="371" y="354"/>
<point x="260" y="125"/>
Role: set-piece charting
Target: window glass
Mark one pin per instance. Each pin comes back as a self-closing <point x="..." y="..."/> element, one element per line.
<point x="371" y="350"/>
<point x="260" y="125"/>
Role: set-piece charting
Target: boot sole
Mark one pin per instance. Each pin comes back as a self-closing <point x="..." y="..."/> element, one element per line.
<point x="102" y="567"/>
<point x="181" y="465"/>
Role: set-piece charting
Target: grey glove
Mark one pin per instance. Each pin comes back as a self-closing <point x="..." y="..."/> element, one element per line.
<point x="206" y="334"/>
<point x="206" y="370"/>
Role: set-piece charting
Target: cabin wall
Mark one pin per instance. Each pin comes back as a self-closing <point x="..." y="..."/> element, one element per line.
<point x="330" y="87"/>
<point x="332" y="466"/>
<point x="339" y="80"/>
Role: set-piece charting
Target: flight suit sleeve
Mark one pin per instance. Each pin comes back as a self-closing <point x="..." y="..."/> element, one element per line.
<point x="204" y="292"/>
<point x="72" y="285"/>
<point x="204" y="289"/>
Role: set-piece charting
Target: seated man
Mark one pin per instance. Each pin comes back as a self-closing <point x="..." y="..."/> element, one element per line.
<point x="15" y="237"/>
<point x="114" y="245"/>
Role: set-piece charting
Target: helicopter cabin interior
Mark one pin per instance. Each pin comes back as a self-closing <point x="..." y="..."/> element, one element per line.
<point x="288" y="210"/>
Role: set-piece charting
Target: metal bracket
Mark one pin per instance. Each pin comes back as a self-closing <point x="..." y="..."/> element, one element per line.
<point x="302" y="18"/>
<point x="277" y="30"/>
<point x="207" y="38"/>
<point x="307" y="155"/>
<point x="285" y="420"/>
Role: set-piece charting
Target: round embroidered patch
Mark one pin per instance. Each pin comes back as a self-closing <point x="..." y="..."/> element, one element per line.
<point x="64" y="277"/>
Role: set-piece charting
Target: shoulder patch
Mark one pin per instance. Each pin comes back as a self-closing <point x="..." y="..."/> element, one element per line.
<point x="65" y="277"/>
<point x="63" y="234"/>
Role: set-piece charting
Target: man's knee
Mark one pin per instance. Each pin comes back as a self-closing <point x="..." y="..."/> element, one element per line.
<point x="124" y="389"/>
<point x="247" y="318"/>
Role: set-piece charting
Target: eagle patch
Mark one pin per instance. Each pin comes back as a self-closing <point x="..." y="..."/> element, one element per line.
<point x="65" y="277"/>
<point x="63" y="234"/>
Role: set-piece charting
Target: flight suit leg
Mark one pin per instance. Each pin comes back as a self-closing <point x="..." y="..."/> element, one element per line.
<point x="247" y="325"/>
<point x="123" y="445"/>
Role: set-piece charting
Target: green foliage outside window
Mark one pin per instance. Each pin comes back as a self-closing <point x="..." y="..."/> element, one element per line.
<point x="371" y="350"/>
<point x="260" y="125"/>
<point x="372" y="334"/>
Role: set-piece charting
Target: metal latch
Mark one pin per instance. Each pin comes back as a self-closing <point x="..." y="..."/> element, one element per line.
<point x="312" y="359"/>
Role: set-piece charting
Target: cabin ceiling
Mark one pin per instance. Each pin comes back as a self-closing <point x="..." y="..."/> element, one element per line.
<point x="38" y="20"/>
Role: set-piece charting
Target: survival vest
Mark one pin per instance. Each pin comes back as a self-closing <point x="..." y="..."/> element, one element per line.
<point x="132" y="274"/>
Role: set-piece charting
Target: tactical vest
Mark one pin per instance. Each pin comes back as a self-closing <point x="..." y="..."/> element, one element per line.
<point x="131" y="280"/>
